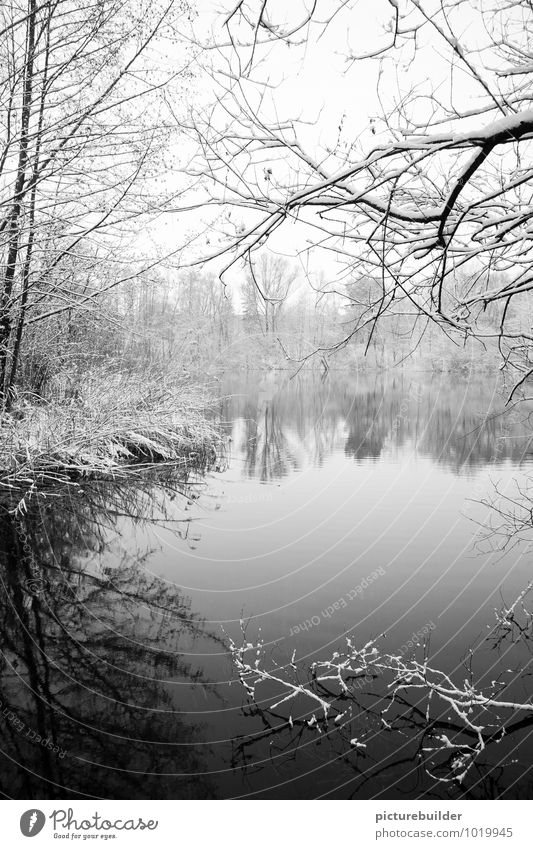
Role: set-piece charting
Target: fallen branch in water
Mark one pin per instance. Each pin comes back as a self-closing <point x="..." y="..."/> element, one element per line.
<point x="334" y="690"/>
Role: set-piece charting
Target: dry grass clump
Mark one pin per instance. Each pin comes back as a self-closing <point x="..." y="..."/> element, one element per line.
<point x="108" y="425"/>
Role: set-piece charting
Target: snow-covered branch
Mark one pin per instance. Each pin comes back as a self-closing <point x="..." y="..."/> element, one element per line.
<point x="431" y="196"/>
<point x="457" y="720"/>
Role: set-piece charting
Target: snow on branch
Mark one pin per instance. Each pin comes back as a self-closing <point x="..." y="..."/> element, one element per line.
<point x="432" y="198"/>
<point x="331" y="694"/>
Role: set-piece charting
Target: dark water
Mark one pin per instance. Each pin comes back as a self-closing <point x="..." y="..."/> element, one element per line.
<point x="346" y="507"/>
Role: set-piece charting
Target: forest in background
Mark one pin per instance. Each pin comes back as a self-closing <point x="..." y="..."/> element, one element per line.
<point x="190" y="319"/>
<point x="148" y="175"/>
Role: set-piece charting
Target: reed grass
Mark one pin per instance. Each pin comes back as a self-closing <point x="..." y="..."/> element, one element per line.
<point x="108" y="425"/>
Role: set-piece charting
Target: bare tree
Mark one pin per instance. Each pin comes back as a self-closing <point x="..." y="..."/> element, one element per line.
<point x="432" y="197"/>
<point x="267" y="286"/>
<point x="83" y="126"/>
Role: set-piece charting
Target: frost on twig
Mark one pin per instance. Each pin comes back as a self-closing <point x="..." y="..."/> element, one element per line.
<point x="454" y="721"/>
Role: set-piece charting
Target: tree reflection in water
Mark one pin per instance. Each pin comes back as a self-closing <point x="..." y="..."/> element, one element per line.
<point x="393" y="719"/>
<point x="94" y="647"/>
<point x="302" y="421"/>
<point x="91" y="663"/>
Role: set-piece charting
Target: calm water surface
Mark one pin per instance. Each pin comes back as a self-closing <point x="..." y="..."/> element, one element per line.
<point x="346" y="507"/>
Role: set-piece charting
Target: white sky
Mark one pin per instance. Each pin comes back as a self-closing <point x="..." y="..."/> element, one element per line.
<point x="315" y="84"/>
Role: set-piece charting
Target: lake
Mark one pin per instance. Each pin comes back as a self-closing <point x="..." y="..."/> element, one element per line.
<point x="342" y="507"/>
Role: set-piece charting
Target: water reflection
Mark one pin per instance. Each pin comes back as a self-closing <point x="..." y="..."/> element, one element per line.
<point x="374" y="744"/>
<point x="300" y="421"/>
<point x="91" y="663"/>
<point x="393" y="724"/>
<point x="114" y="682"/>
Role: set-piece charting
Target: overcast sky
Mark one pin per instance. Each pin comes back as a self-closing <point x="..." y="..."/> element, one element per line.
<point x="315" y="84"/>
